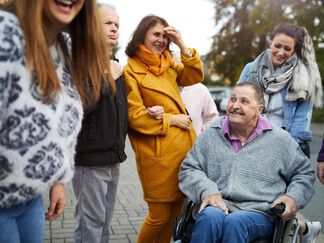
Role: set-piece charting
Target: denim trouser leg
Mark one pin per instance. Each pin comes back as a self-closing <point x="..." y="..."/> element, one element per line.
<point x="95" y="190"/>
<point x="212" y="226"/>
<point x="23" y="222"/>
<point x="245" y="226"/>
<point x="209" y="226"/>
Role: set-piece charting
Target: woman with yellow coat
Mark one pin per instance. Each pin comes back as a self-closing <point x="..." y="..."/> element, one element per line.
<point x="161" y="133"/>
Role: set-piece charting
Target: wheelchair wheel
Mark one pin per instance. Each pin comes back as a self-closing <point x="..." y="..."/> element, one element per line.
<point x="183" y="227"/>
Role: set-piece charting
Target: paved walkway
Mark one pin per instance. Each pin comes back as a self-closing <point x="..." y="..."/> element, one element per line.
<point x="130" y="208"/>
<point x="129" y="212"/>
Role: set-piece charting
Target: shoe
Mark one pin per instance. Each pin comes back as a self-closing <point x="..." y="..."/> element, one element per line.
<point x="314" y="228"/>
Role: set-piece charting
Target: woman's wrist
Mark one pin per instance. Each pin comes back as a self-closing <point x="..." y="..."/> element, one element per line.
<point x="172" y="120"/>
<point x="58" y="185"/>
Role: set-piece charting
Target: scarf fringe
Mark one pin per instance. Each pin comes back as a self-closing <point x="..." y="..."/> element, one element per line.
<point x="313" y="71"/>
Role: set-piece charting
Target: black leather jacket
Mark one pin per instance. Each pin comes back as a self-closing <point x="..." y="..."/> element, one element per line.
<point x="104" y="129"/>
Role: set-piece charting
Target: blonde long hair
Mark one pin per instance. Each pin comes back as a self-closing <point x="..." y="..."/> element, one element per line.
<point x="90" y="55"/>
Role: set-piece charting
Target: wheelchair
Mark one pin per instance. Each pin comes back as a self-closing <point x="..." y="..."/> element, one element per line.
<point x="285" y="231"/>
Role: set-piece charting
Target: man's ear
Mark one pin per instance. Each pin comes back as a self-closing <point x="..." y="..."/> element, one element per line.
<point x="261" y="108"/>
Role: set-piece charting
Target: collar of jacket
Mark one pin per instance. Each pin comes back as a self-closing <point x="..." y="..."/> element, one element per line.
<point x="134" y="65"/>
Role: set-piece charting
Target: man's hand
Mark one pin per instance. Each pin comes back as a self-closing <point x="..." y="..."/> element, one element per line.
<point x="156" y="111"/>
<point x="320" y="171"/>
<point x="291" y="207"/>
<point x="214" y="200"/>
<point x="57" y="202"/>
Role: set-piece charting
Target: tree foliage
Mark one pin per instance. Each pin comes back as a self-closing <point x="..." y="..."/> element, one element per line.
<point x="245" y="26"/>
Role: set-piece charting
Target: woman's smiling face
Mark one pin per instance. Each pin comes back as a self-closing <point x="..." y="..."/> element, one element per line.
<point x="60" y="13"/>
<point x="155" y="39"/>
<point x="282" y="47"/>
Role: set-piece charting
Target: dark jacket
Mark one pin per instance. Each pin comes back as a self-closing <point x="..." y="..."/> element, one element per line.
<point x="104" y="129"/>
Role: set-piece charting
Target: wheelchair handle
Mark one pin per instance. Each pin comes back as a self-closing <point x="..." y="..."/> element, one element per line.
<point x="279" y="209"/>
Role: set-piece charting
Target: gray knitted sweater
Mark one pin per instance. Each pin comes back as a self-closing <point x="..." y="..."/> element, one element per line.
<point x="265" y="168"/>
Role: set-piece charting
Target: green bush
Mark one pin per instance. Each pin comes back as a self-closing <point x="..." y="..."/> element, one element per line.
<point x="318" y="115"/>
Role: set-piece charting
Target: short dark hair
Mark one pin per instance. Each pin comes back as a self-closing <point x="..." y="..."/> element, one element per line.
<point x="258" y="92"/>
<point x="139" y="34"/>
<point x="294" y="31"/>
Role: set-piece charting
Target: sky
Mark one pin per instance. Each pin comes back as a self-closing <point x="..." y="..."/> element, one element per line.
<point x="194" y="19"/>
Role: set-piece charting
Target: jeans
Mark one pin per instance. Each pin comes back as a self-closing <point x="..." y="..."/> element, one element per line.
<point x="213" y="226"/>
<point x="23" y="223"/>
<point x="95" y="189"/>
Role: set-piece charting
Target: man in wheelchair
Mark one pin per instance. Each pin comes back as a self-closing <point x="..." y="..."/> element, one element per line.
<point x="241" y="167"/>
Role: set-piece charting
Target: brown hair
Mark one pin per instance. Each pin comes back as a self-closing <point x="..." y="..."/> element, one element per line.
<point x="294" y="31"/>
<point x="139" y="34"/>
<point x="90" y="55"/>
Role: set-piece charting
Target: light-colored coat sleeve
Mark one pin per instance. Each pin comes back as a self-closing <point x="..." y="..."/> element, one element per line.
<point x="210" y="112"/>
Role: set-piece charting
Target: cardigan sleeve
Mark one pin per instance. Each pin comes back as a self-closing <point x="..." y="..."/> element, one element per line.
<point x="193" y="181"/>
<point x="299" y="174"/>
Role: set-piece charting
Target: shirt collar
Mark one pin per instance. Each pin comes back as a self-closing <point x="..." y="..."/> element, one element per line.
<point x="262" y="125"/>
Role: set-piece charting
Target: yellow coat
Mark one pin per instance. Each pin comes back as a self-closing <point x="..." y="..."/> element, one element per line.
<point x="159" y="147"/>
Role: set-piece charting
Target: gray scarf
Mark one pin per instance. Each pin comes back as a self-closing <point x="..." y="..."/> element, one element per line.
<point x="270" y="80"/>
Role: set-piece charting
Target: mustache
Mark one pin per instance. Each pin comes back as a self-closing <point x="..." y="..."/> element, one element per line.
<point x="236" y="111"/>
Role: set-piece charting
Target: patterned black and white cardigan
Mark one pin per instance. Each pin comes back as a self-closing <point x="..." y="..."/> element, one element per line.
<point x="37" y="140"/>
